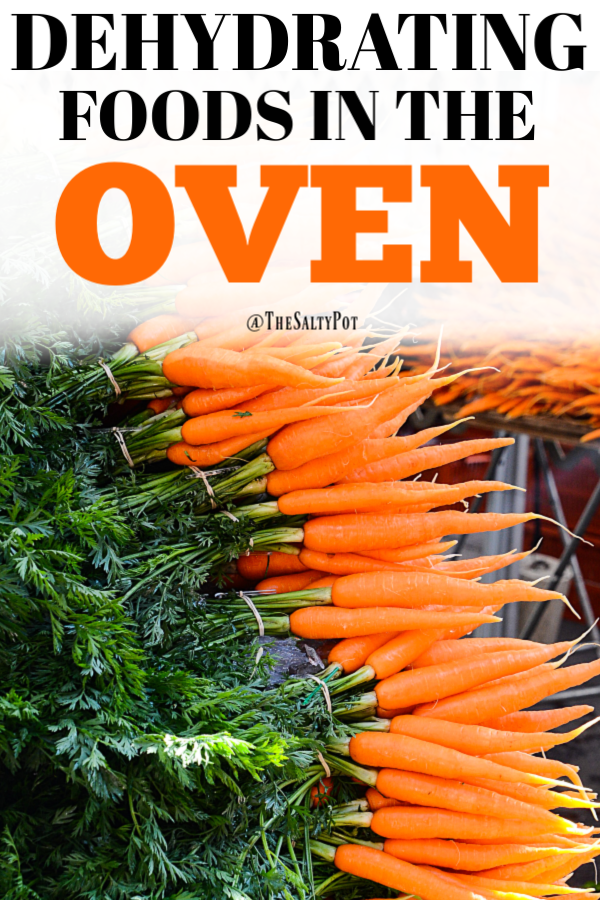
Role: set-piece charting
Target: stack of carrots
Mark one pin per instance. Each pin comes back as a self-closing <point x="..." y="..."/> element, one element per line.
<point x="555" y="378"/>
<point x="455" y="788"/>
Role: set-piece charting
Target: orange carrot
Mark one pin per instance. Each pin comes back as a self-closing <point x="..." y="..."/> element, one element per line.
<point x="282" y="584"/>
<point x="413" y="822"/>
<point x="373" y="531"/>
<point x="297" y="445"/>
<point x="536" y="796"/>
<point x="480" y="565"/>
<point x="324" y="622"/>
<point x="344" y="563"/>
<point x="446" y="651"/>
<point x="296" y="352"/>
<point x="401" y="651"/>
<point x="208" y="367"/>
<point x="565" y="868"/>
<point x="551" y="768"/>
<point x="365" y="361"/>
<point x="339" y="365"/>
<point x="416" y="551"/>
<point x="382" y="372"/>
<point x="485" y="703"/>
<point x="352" y="653"/>
<point x="398" y="751"/>
<point x="256" y="566"/>
<point x="528" y="871"/>
<point x="368" y="497"/>
<point x="538" y="720"/>
<point x="160" y="404"/>
<point x="476" y="740"/>
<point x="221" y="426"/>
<point x="184" y="454"/>
<point x="418" y="789"/>
<point x="203" y="401"/>
<point x="326" y="582"/>
<point x="289" y="397"/>
<point x="320" y="793"/>
<point x="160" y="329"/>
<point x="514" y="889"/>
<point x="470" y="857"/>
<point x="392" y="713"/>
<point x="374" y="865"/>
<point x="418" y="589"/>
<point x="433" y="683"/>
<point x="378" y="801"/>
<point x="329" y="468"/>
<point x="426" y="458"/>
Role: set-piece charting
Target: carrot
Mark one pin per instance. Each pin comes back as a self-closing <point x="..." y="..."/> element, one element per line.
<point x="476" y="740"/>
<point x="413" y="822"/>
<point x="221" y="426"/>
<point x="326" y="582"/>
<point x="284" y="398"/>
<point x="536" y="796"/>
<point x="373" y="531"/>
<point x="365" y="361"/>
<point x="332" y="466"/>
<point x="383" y="371"/>
<point x="538" y="720"/>
<point x="299" y="444"/>
<point x="352" y="653"/>
<point x="416" y="551"/>
<point x="446" y="651"/>
<point x="486" y="703"/>
<point x="344" y="563"/>
<point x="378" y="801"/>
<point x="160" y="404"/>
<point x="324" y="622"/>
<point x="238" y="339"/>
<point x="256" y="566"/>
<point x="282" y="584"/>
<point x="417" y="589"/>
<point x="591" y="435"/>
<point x="443" y="793"/>
<point x="179" y="391"/>
<point x="392" y="713"/>
<point x="448" y="679"/>
<point x="339" y="365"/>
<point x="321" y="792"/>
<point x="203" y="401"/>
<point x="296" y="352"/>
<point x="159" y="330"/>
<point x="184" y="454"/>
<point x="552" y="768"/>
<point x="399" y="652"/>
<point x="526" y="871"/>
<point x="480" y="565"/>
<point x="368" y="497"/>
<point x="208" y="367"/>
<point x="392" y="426"/>
<point x="565" y="868"/>
<point x="471" y="857"/>
<point x="374" y="865"/>
<point x="398" y="751"/>
<point x="426" y="458"/>
<point x="517" y="888"/>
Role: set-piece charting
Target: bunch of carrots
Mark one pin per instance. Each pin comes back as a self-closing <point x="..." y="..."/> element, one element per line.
<point x="555" y="378"/>
<point x="445" y="743"/>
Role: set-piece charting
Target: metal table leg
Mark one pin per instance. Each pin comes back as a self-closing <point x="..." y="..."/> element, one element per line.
<point x="489" y="476"/>
<point x="570" y="548"/>
<point x="558" y="513"/>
